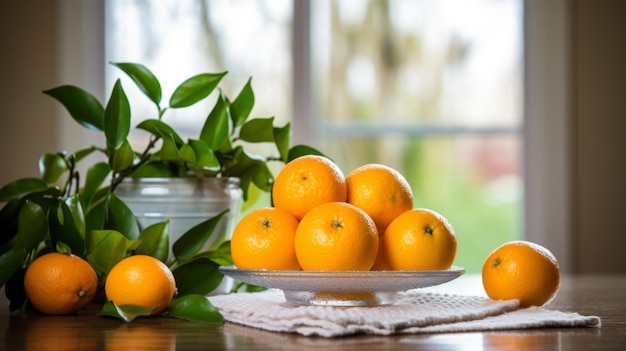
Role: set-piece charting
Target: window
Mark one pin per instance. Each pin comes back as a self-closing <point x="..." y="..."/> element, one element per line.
<point x="431" y="88"/>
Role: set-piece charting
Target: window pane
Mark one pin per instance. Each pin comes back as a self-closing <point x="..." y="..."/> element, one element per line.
<point x="418" y="62"/>
<point x="178" y="39"/>
<point x="471" y="180"/>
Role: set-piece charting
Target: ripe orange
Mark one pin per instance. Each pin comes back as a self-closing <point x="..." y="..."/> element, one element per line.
<point x="336" y="236"/>
<point x="521" y="270"/>
<point x="419" y="239"/>
<point x="306" y="182"/>
<point x="141" y="280"/>
<point x="381" y="263"/>
<point x="264" y="239"/>
<point x="380" y="191"/>
<point x="60" y="283"/>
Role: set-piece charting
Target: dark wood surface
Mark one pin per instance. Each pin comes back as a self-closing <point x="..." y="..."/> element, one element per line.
<point x="603" y="296"/>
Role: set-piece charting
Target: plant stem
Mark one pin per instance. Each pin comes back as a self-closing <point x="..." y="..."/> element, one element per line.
<point x="71" y="174"/>
<point x="145" y="156"/>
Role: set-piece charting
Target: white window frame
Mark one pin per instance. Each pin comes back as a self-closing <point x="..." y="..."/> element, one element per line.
<point x="547" y="169"/>
<point x="546" y="137"/>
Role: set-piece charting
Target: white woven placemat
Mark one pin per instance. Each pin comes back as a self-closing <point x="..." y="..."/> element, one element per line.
<point x="414" y="312"/>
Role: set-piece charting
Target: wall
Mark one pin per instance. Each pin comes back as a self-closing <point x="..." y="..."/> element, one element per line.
<point x="599" y="135"/>
<point x="46" y="44"/>
<point x="28" y="122"/>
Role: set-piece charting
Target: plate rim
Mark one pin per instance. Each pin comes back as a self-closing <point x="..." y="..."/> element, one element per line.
<point x="453" y="270"/>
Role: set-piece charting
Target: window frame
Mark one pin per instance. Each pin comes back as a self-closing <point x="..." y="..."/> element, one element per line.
<point x="545" y="133"/>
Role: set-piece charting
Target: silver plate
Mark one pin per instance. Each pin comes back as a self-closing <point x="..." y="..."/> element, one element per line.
<point x="342" y="288"/>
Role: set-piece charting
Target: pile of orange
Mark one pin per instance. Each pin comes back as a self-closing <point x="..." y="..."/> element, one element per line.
<point x="323" y="220"/>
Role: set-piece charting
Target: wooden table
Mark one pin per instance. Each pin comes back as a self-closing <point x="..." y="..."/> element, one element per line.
<point x="603" y="296"/>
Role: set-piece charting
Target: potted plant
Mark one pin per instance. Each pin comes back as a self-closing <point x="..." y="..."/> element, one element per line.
<point x="92" y="215"/>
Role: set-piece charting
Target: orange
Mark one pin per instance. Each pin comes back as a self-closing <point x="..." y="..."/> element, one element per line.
<point x="306" y="182"/>
<point x="60" y="283"/>
<point x="419" y="239"/>
<point x="381" y="263"/>
<point x="264" y="239"/>
<point x="521" y="270"/>
<point x="141" y="280"/>
<point x="380" y="191"/>
<point x="336" y="236"/>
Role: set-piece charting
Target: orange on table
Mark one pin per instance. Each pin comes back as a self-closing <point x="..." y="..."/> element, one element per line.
<point x="336" y="236"/>
<point x="380" y="191"/>
<point x="419" y="239"/>
<point x="521" y="270"/>
<point x="60" y="283"/>
<point x="264" y="239"/>
<point x="141" y="280"/>
<point x="306" y="182"/>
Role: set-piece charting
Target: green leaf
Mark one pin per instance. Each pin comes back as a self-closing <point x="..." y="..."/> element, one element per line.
<point x="253" y="194"/>
<point x="81" y="105"/>
<point x="67" y="225"/>
<point x="221" y="255"/>
<point x="8" y="221"/>
<point x="14" y="286"/>
<point x="95" y="177"/>
<point x="10" y="261"/>
<point x="121" y="218"/>
<point x="105" y="248"/>
<point x="123" y="157"/>
<point x="282" y="139"/>
<point x="195" y="89"/>
<point x="243" y="287"/>
<point x="249" y="168"/>
<point x="301" y="150"/>
<point x="158" y="169"/>
<point x="188" y="154"/>
<point x="160" y="129"/>
<point x="195" y="308"/>
<point x="32" y="226"/>
<point x="80" y="154"/>
<point x="61" y="247"/>
<point x="242" y="105"/>
<point x="262" y="177"/>
<point x="258" y="130"/>
<point x="117" y="117"/>
<point x="200" y="276"/>
<point x="126" y="313"/>
<point x="78" y="216"/>
<point x="204" y="157"/>
<point x="155" y="241"/>
<point x="51" y="167"/>
<point x="21" y="187"/>
<point x="216" y="127"/>
<point x="192" y="241"/>
<point x="146" y="81"/>
<point x="96" y="213"/>
<point x="169" y="150"/>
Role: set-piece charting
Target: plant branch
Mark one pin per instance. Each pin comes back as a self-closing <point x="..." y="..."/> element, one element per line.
<point x="145" y="156"/>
